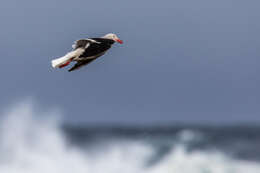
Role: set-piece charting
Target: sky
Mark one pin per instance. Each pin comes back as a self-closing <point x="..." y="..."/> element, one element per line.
<point x="182" y="61"/>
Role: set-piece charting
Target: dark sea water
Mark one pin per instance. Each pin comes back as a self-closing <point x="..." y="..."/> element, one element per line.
<point x="29" y="144"/>
<point x="240" y="142"/>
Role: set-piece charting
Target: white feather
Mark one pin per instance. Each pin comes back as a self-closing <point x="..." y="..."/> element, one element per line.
<point x="63" y="60"/>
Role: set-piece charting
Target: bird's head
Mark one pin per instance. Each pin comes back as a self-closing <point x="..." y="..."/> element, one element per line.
<point x="113" y="37"/>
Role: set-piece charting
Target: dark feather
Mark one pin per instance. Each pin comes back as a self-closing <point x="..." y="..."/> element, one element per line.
<point x="96" y="48"/>
<point x="80" y="64"/>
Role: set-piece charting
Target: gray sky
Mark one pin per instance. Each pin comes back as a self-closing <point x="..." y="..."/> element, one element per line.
<point x="181" y="61"/>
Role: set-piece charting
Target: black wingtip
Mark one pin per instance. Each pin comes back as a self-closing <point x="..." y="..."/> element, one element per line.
<point x="72" y="68"/>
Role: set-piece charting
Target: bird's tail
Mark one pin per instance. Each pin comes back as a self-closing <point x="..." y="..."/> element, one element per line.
<point x="65" y="60"/>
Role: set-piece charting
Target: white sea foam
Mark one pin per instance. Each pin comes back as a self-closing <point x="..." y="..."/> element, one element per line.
<point x="32" y="142"/>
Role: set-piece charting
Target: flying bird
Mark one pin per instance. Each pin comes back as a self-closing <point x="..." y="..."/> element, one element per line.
<point x="86" y="51"/>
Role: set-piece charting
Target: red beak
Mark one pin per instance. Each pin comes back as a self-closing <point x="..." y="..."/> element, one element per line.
<point x="119" y="41"/>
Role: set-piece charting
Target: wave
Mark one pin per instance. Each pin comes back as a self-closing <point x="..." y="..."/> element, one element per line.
<point x="31" y="141"/>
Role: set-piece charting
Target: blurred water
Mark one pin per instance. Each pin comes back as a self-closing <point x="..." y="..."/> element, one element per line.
<point x="29" y="144"/>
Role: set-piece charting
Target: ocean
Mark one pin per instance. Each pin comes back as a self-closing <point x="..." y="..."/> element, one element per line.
<point x="36" y="144"/>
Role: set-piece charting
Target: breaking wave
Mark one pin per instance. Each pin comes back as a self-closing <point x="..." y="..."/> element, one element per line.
<point x="32" y="141"/>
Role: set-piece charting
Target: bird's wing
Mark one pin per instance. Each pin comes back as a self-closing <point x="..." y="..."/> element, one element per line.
<point x="80" y="64"/>
<point x="85" y="61"/>
<point x="84" y="43"/>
